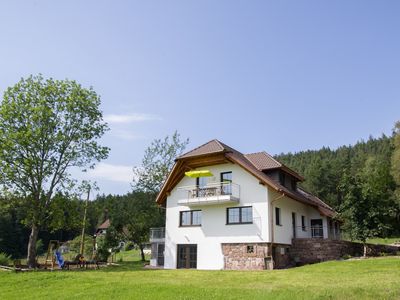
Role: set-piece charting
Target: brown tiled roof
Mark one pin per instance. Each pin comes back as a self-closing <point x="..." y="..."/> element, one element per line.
<point x="254" y="163"/>
<point x="213" y="146"/>
<point x="105" y="225"/>
<point x="263" y="161"/>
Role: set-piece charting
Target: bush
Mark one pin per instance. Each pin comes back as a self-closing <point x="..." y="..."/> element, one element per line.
<point x="5" y="260"/>
<point x="346" y="256"/>
<point x="75" y="245"/>
<point x="129" y="246"/>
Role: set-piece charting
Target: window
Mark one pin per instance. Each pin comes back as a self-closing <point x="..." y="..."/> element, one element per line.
<point x="282" y="178"/>
<point x="278" y="216"/>
<point x="226" y="183"/>
<point x="250" y="249"/>
<point x="190" y="218"/>
<point x="303" y="223"/>
<point x="201" y="183"/>
<point x="294" y="184"/>
<point x="239" y="215"/>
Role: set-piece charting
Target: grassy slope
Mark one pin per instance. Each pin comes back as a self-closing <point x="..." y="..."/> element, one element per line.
<point x="359" y="279"/>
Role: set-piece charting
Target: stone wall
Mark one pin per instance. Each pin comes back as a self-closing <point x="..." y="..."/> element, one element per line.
<point x="238" y="257"/>
<point x="306" y="251"/>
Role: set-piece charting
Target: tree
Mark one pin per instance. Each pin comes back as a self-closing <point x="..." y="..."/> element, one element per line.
<point x="395" y="168"/>
<point x="133" y="216"/>
<point x="366" y="201"/>
<point x="157" y="162"/>
<point x="138" y="211"/>
<point x="47" y="126"/>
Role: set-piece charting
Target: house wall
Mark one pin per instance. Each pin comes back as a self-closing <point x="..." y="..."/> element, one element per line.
<point x="283" y="234"/>
<point x="214" y="230"/>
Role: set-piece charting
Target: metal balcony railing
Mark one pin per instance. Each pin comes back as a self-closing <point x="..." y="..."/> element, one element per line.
<point x="316" y="231"/>
<point x="213" y="193"/>
<point x="214" y="189"/>
<point x="157" y="234"/>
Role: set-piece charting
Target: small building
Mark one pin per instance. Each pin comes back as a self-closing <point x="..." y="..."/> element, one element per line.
<point x="228" y="210"/>
<point x="102" y="229"/>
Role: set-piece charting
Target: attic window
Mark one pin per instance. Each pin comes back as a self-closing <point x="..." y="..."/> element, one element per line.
<point x="293" y="183"/>
<point x="282" y="178"/>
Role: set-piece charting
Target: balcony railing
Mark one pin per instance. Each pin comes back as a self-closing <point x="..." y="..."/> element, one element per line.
<point x="316" y="231"/>
<point x="220" y="192"/>
<point x="157" y="234"/>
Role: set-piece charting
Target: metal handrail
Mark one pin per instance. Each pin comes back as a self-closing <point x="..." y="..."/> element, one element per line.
<point x="317" y="231"/>
<point x="212" y="189"/>
<point x="157" y="233"/>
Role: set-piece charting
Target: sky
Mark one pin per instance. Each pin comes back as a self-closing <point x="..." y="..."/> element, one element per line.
<point x="280" y="76"/>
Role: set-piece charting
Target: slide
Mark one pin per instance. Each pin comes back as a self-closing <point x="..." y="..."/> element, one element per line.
<point x="59" y="259"/>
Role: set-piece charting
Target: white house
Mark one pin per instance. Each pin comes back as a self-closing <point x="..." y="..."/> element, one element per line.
<point x="228" y="210"/>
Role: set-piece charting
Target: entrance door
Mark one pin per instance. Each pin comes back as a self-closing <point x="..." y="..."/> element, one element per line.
<point x="187" y="257"/>
<point x="294" y="224"/>
<point x="316" y="228"/>
<point x="160" y="254"/>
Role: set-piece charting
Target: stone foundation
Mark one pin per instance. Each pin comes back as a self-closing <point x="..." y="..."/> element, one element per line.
<point x="236" y="256"/>
<point x="307" y="251"/>
<point x="257" y="256"/>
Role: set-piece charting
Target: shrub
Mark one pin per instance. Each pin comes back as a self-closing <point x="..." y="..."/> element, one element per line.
<point x="346" y="256"/>
<point x="129" y="246"/>
<point x="5" y="260"/>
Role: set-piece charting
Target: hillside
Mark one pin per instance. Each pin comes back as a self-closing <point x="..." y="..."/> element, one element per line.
<point x="324" y="169"/>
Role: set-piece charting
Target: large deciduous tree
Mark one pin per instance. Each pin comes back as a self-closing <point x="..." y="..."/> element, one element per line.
<point x="47" y="126"/>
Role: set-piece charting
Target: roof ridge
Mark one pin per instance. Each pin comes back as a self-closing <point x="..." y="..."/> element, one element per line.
<point x="221" y="147"/>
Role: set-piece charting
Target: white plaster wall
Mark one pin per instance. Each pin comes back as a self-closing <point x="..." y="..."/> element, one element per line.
<point x="214" y="230"/>
<point x="283" y="234"/>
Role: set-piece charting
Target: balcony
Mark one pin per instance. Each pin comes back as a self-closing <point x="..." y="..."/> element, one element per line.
<point x="211" y="194"/>
<point x="157" y="234"/>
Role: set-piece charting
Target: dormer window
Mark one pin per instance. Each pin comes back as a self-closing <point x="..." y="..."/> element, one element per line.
<point x="293" y="184"/>
<point x="282" y="178"/>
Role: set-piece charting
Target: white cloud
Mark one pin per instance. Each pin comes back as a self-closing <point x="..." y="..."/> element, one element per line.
<point x="119" y="173"/>
<point x="126" y="135"/>
<point x="130" y="118"/>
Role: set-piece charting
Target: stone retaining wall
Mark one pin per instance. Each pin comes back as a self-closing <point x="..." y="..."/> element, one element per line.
<point x="306" y="251"/>
<point x="236" y="256"/>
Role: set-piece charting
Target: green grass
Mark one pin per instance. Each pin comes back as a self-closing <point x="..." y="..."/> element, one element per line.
<point x="385" y="241"/>
<point x="377" y="278"/>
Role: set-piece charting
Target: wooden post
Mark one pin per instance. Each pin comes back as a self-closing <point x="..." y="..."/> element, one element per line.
<point x="84" y="223"/>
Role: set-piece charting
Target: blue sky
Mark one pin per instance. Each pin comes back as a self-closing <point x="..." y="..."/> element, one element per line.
<point x="278" y="76"/>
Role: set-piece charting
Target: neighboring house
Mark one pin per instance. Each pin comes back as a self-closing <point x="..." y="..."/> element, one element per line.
<point x="102" y="229"/>
<point x="243" y="215"/>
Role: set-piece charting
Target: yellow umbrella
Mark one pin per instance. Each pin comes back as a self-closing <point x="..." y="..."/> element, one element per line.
<point x="200" y="173"/>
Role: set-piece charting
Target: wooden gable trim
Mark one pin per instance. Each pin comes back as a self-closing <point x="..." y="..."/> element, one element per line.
<point x="186" y="164"/>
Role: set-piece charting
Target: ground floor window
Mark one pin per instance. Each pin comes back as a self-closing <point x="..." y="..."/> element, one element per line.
<point x="316" y="228"/>
<point x="239" y="215"/>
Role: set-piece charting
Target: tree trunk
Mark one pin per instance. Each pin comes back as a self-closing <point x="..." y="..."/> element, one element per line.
<point x="142" y="252"/>
<point x="31" y="259"/>
<point x="365" y="250"/>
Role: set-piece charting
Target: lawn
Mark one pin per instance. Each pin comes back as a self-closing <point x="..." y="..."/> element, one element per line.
<point x="377" y="278"/>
